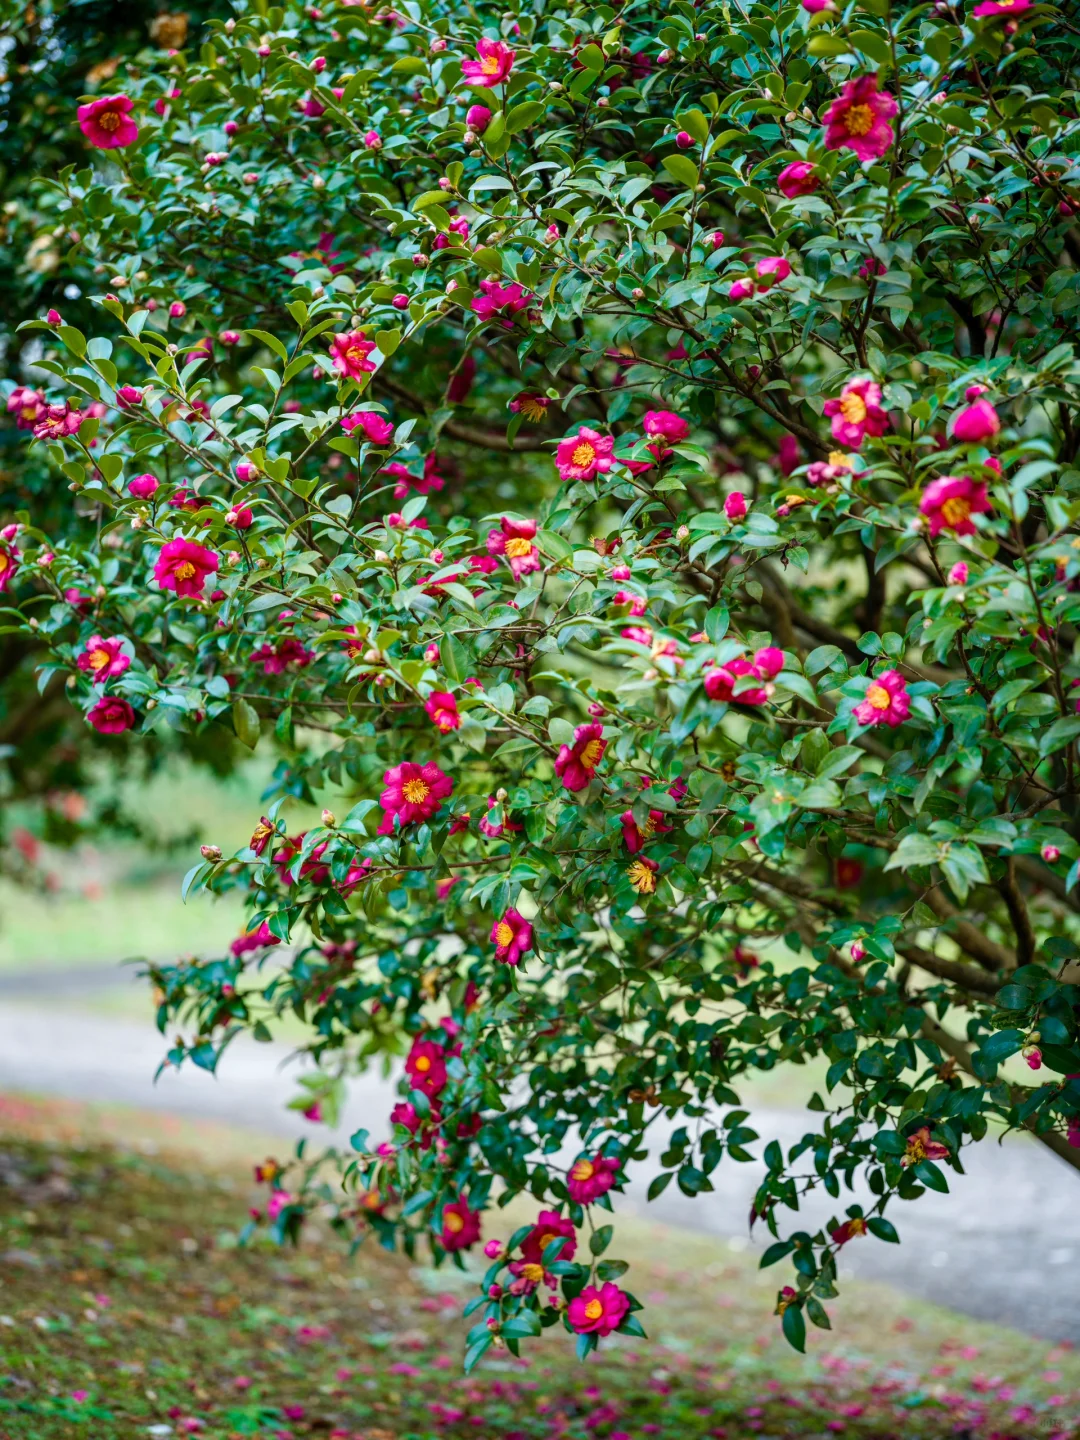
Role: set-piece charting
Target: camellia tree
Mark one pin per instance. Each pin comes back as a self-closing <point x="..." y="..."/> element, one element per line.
<point x="634" y="460"/>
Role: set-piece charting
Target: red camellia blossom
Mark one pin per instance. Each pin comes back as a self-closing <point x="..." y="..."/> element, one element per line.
<point x="598" y="1311"/>
<point x="978" y="421"/>
<point x="257" y="939"/>
<point x="111" y="716"/>
<point x="766" y="665"/>
<point x="9" y="564"/>
<point x="491" y="67"/>
<point x="276" y="657"/>
<point x="860" y="119"/>
<point x="26" y="405"/>
<point x="585" y="455"/>
<point x="665" y="425"/>
<point x="531" y="405"/>
<point x="104" y="659"/>
<point x="350" y="352"/>
<point x="772" y="269"/>
<point x="107" y="124"/>
<point x="426" y="1067"/>
<point x="549" y="1226"/>
<point x="857" y="412"/>
<point x="590" y="1177"/>
<point x="735" y="505"/>
<point x="441" y="708"/>
<point x="634" y="835"/>
<point x="886" y="702"/>
<point x="501" y="302"/>
<point x="371" y="424"/>
<point x="576" y="764"/>
<point x="642" y="875"/>
<point x="57" y="421"/>
<point x="127" y="396"/>
<point x="950" y="501"/>
<point x="921" y="1147"/>
<point x="477" y="118"/>
<point x="143" y="486"/>
<point x="262" y="835"/>
<point x="512" y="937"/>
<point x="798" y="178"/>
<point x="849" y="1230"/>
<point x="513" y="540"/>
<point x="413" y="793"/>
<point x="460" y="1226"/>
<point x="183" y="566"/>
<point x="988" y="9"/>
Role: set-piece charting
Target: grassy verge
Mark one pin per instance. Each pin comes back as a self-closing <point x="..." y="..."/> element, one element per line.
<point x="128" y="1310"/>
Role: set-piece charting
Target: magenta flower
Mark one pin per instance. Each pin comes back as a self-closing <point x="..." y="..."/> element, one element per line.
<point x="183" y="566"/>
<point x="958" y="575"/>
<point x="104" y="659"/>
<point x="277" y="1202"/>
<point x="920" y="1147"/>
<point x="549" y="1226"/>
<point x="886" y="701"/>
<point x="350" y="352"/>
<point x="57" y="421"/>
<point x="798" y="178"/>
<point x="26" y="405"/>
<point x="491" y="67"/>
<point x="142" y="486"/>
<point x="635" y="835"/>
<point x="413" y="793"/>
<point x="598" y="1311"/>
<point x="815" y="7"/>
<point x="857" y="413"/>
<point x="441" y="708"/>
<point x="576" y="764"/>
<point x="741" y="290"/>
<point x="860" y="119"/>
<point x="735" y="505"/>
<point x="590" y="1177"/>
<point x="513" y="540"/>
<point x="426" y="1067"/>
<point x="460" y="1226"/>
<point x="978" y="421"/>
<point x="9" y="564"/>
<point x="665" y="425"/>
<point x="585" y="455"/>
<point x="720" y="680"/>
<point x="111" y="716"/>
<point x="988" y="9"/>
<point x="275" y="658"/>
<point x="127" y="396"/>
<point x="257" y="939"/>
<point x="512" y="936"/>
<point x="374" y="427"/>
<point x="772" y="269"/>
<point x="373" y="140"/>
<point x="478" y="118"/>
<point x="949" y="503"/>
<point x="107" y="124"/>
<point x="501" y="302"/>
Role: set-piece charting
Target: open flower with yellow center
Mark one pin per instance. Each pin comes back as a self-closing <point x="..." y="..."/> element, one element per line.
<point x="512" y="937"/>
<point x="856" y="413"/>
<point x="585" y="455"/>
<point x="886" y="701"/>
<point x="860" y="119"/>
<point x="949" y="503"/>
<point x="413" y="794"/>
<point x="642" y="875"/>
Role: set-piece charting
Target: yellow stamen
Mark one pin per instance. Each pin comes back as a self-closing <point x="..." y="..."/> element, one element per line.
<point x="859" y="120"/>
<point x="956" y="510"/>
<point x="853" y="408"/>
<point x="594" y="1309"/>
<point x="109" y="119"/>
<point x="583" y="454"/>
<point x="415" y="791"/>
<point x="504" y="935"/>
<point x="185" y="570"/>
<point x="490" y="64"/>
<point x="533" y="1273"/>
<point x="422" y="1064"/>
<point x="518" y="547"/>
<point x="840" y="461"/>
<point x="99" y="659"/>
<point x="642" y="878"/>
<point x="583" y="1170"/>
<point x="533" y="411"/>
<point x="453" y="1222"/>
<point x="879" y="697"/>
<point x="592" y="754"/>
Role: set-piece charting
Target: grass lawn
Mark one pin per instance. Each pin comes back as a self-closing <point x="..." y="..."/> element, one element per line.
<point x="127" y="1310"/>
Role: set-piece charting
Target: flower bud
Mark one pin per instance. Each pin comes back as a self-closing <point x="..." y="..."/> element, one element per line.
<point x="177" y="309"/>
<point x="858" y="951"/>
<point x="683" y="140"/>
<point x="319" y="64"/>
<point x="328" y="818"/>
<point x="210" y="852"/>
<point x="1050" y="853"/>
<point x="400" y="302"/>
<point x="638" y="293"/>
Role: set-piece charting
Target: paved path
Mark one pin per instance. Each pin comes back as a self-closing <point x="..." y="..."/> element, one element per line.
<point x="1004" y="1246"/>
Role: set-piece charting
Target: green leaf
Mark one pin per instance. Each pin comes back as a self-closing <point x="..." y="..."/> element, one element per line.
<point x="682" y="170"/>
<point x="246" y="723"/>
<point x="523" y="115"/>
<point x="872" y="43"/>
<point x="883" y="1229"/>
<point x="794" y="1327"/>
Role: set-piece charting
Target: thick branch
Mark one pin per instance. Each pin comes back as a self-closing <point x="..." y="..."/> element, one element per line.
<point x="1018" y="914"/>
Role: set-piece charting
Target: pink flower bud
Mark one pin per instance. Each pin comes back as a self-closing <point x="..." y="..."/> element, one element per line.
<point x="683" y="140"/>
<point x="551" y="234"/>
<point x="229" y="337"/>
<point x="596" y="710"/>
<point x="741" y="290"/>
<point x="400" y="302"/>
<point x="477" y="118"/>
<point x="231" y="127"/>
<point x="329" y="818"/>
<point x="210" y="852"/>
<point x="858" y="952"/>
<point x="783" y="511"/>
<point x="241" y="518"/>
<point x="373" y="140"/>
<point x="213" y="158"/>
<point x="1033" y="1055"/>
<point x="250" y="178"/>
<point x="494" y="1249"/>
<point x="1050" y="853"/>
<point x="716" y="239"/>
<point x="177" y="309"/>
<point x="54" y="317"/>
<point x="958" y="574"/>
<point x="735" y="505"/>
<point x="444" y="183"/>
<point x="438" y="45"/>
<point x="245" y="472"/>
<point x="319" y="64"/>
<point x="263" y="50"/>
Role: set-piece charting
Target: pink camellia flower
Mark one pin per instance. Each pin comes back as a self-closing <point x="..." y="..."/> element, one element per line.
<point x="350" y="352"/>
<point x="585" y="455"/>
<point x="978" y="421"/>
<point x="478" y="118"/>
<point x="857" y="412"/>
<point x="815" y="7"/>
<point x="107" y="124"/>
<point x="491" y="67"/>
<point x="111" y="716"/>
<point x="735" y="505"/>
<point x="590" y="1177"/>
<point x="230" y="337"/>
<point x="950" y="501"/>
<point x="493" y="829"/>
<point x="549" y="1226"/>
<point x="772" y="269"/>
<point x="860" y="119"/>
<point x="598" y="1311"/>
<point x="513" y="540"/>
<point x="103" y="658"/>
<point x="988" y="9"/>
<point x="460" y="1226"/>
<point x="665" y="425"/>
<point x="9" y="564"/>
<point x="277" y="1202"/>
<point x="373" y="140"/>
<point x="57" y="421"/>
<point x="886" y="701"/>
<point x="1050" y="853"/>
<point x="958" y="575"/>
<point x="849" y="1230"/>
<point x="530" y="404"/>
<point x="441" y="708"/>
<point x="798" y="178"/>
<point x="576" y="764"/>
<point x="921" y="1147"/>
<point x="501" y="302"/>
<point x="426" y="1066"/>
<point x="178" y="309"/>
<point x="1033" y="1056"/>
<point x="183" y="566"/>
<point x="741" y="290"/>
<point x="720" y="680"/>
<point x="143" y="486"/>
<point x="512" y="936"/>
<point x="371" y="424"/>
<point x="275" y="658"/>
<point x="127" y="396"/>
<point x="311" y="107"/>
<point x="635" y="835"/>
<point x="637" y="603"/>
<point x="413" y="793"/>
<point x="26" y="405"/>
